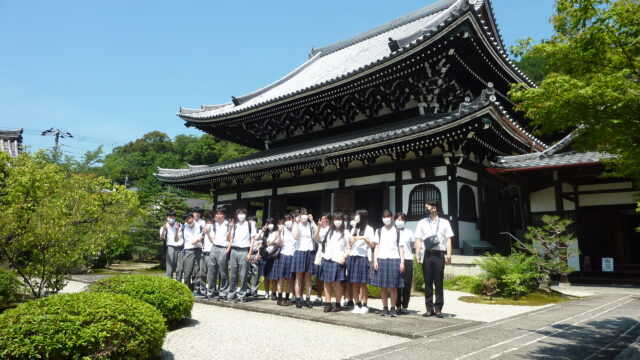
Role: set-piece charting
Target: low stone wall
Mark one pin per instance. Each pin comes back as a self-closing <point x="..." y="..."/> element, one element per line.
<point x="462" y="265"/>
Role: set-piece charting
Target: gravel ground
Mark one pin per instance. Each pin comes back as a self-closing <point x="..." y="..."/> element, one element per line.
<point x="224" y="333"/>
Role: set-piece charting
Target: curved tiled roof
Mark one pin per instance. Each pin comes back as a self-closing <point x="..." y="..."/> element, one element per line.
<point x="346" y="58"/>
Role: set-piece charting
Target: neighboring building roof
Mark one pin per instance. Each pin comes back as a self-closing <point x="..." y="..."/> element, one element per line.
<point x="352" y="56"/>
<point x="570" y="158"/>
<point x="11" y="141"/>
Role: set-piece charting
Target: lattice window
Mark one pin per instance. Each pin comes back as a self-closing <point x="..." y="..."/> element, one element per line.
<point x="467" y="204"/>
<point x="418" y="196"/>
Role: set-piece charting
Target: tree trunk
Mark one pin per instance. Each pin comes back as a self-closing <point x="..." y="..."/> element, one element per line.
<point x="545" y="283"/>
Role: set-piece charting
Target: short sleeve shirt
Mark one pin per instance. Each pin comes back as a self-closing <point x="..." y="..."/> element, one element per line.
<point x="439" y="227"/>
<point x="360" y="247"/>
<point x="387" y="240"/>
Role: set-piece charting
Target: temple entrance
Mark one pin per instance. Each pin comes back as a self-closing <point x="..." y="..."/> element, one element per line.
<point x="371" y="199"/>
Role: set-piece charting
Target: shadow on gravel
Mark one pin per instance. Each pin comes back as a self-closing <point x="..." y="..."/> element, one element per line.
<point x="186" y="323"/>
<point x="167" y="355"/>
<point x="602" y="339"/>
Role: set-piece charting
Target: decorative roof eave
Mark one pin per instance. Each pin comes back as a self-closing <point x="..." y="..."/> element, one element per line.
<point x="455" y="15"/>
<point x="542" y="167"/>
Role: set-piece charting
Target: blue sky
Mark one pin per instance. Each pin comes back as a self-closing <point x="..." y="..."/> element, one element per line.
<point x="110" y="71"/>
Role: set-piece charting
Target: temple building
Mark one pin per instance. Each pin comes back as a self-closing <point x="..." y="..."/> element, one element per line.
<point x="411" y="110"/>
<point x="11" y="142"/>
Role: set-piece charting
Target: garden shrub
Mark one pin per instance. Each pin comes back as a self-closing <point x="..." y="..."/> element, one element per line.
<point x="82" y="326"/>
<point x="374" y="291"/>
<point x="516" y="274"/>
<point x="173" y="299"/>
<point x="470" y="284"/>
<point x="9" y="288"/>
<point x="418" y="277"/>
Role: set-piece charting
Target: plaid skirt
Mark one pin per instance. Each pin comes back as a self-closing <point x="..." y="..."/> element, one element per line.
<point x="331" y="271"/>
<point x="315" y="269"/>
<point x="268" y="269"/>
<point x="358" y="269"/>
<point x="302" y="261"/>
<point x="282" y="267"/>
<point x="388" y="274"/>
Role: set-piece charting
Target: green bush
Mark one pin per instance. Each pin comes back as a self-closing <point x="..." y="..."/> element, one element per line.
<point x="9" y="288"/>
<point x="517" y="274"/>
<point x="173" y="299"/>
<point x="418" y="276"/>
<point x="82" y="326"/>
<point x="470" y="284"/>
<point x="373" y="291"/>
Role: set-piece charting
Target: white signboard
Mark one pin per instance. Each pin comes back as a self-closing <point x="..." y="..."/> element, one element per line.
<point x="607" y="264"/>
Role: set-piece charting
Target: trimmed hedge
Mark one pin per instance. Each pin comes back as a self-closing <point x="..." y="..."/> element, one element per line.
<point x="171" y="298"/>
<point x="82" y="325"/>
<point x="9" y="288"/>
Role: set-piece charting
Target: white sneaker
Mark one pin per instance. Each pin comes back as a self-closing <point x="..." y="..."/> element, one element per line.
<point x="343" y="302"/>
<point x="356" y="310"/>
<point x="363" y="310"/>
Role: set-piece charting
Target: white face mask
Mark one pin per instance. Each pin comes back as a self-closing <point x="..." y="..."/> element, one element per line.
<point x="356" y="218"/>
<point x="171" y="221"/>
<point x="288" y="223"/>
<point x="304" y="218"/>
<point x="352" y="223"/>
<point x="241" y="217"/>
<point x="400" y="224"/>
<point x="337" y="223"/>
<point x="191" y="225"/>
<point x="270" y="227"/>
<point x="386" y="221"/>
<point x="253" y="223"/>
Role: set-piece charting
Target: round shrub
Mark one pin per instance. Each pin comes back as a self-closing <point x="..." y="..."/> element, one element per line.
<point x="82" y="325"/>
<point x="173" y="299"/>
<point x="9" y="288"/>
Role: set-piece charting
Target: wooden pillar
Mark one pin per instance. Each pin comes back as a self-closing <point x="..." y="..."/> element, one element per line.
<point x="398" y="184"/>
<point x="214" y="198"/>
<point x="452" y="193"/>
<point x="558" y="193"/>
<point x="385" y="196"/>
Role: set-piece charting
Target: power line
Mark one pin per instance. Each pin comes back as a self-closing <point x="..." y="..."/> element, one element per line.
<point x="57" y="134"/>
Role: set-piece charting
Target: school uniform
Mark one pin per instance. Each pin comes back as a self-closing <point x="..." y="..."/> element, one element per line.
<point x="175" y="249"/>
<point x="204" y="282"/>
<point x="433" y="261"/>
<point x="254" y="267"/>
<point x="268" y="264"/>
<point x="304" y="254"/>
<point x="322" y="232"/>
<point x="192" y="253"/>
<point x="241" y="234"/>
<point x="388" y="274"/>
<point x="335" y="247"/>
<point x="358" y="268"/>
<point x="218" y="265"/>
<point x="283" y="263"/>
<point x="404" y="295"/>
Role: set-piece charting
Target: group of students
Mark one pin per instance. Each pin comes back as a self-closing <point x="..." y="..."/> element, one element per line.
<point x="224" y="258"/>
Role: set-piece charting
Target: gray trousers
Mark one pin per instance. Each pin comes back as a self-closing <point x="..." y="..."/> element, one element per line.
<point x="192" y="267"/>
<point x="204" y="270"/>
<point x="218" y="267"/>
<point x="254" y="277"/>
<point x="238" y="270"/>
<point x="174" y="261"/>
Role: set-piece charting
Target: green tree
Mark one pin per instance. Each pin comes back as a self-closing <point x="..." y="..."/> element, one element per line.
<point x="591" y="80"/>
<point x="552" y="246"/>
<point x="53" y="221"/>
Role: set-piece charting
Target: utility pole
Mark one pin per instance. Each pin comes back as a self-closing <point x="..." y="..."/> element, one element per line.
<point x="57" y="133"/>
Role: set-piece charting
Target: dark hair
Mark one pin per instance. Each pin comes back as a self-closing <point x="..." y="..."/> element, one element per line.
<point x="327" y="214"/>
<point x="303" y="210"/>
<point x="241" y="210"/>
<point x="387" y="213"/>
<point x="362" y="225"/>
<point x="267" y="232"/>
<point x="250" y="218"/>
<point x="187" y="215"/>
<point x="338" y="216"/>
<point x="435" y="203"/>
<point x="401" y="215"/>
<point x="220" y="210"/>
<point x="197" y="210"/>
<point x="288" y="217"/>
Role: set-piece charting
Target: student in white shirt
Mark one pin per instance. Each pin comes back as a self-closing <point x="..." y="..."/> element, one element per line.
<point x="388" y="263"/>
<point x="304" y="256"/>
<point x="192" y="237"/>
<point x="218" y="265"/>
<point x="323" y="228"/>
<point x="433" y="246"/>
<point x="407" y="240"/>
<point x="288" y="237"/>
<point x="358" y="267"/>
<point x="170" y="234"/>
<point x="269" y="235"/>
<point x="239" y="243"/>
<point x="254" y="260"/>
<point x="333" y="270"/>
<point x="200" y="277"/>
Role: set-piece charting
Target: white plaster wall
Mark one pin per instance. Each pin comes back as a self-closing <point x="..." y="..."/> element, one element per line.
<point x="607" y="199"/>
<point x="406" y="175"/>
<point x="467" y="174"/>
<point x="440" y="171"/>
<point x="543" y="200"/>
<point x="441" y="185"/>
<point x="468" y="231"/>
<point x="255" y="194"/>
<point x="620" y="185"/>
<point x="226" y="197"/>
<point x="374" y="179"/>
<point x="308" y="187"/>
